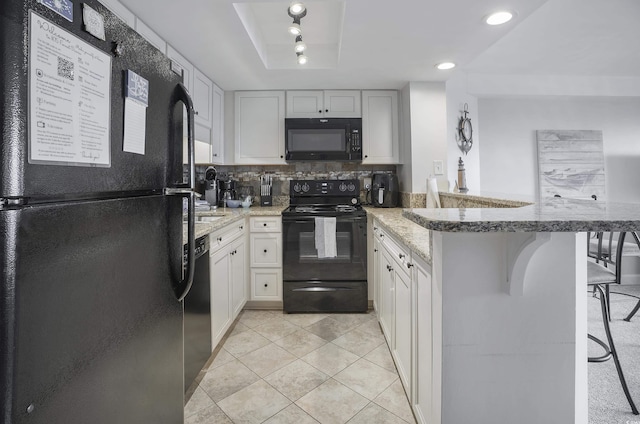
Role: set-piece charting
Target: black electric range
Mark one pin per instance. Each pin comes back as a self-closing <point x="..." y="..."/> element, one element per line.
<point x="324" y="247"/>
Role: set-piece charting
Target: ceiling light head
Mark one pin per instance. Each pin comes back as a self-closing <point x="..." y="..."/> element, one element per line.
<point x="302" y="59"/>
<point x="297" y="8"/>
<point x="499" y="18"/>
<point x="300" y="45"/>
<point x="445" y="65"/>
<point x="294" y="29"/>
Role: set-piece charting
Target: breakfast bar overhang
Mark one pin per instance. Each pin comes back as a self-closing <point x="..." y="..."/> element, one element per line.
<point x="514" y="307"/>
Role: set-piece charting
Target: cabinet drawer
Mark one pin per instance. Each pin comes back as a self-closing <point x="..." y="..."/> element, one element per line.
<point x="226" y="235"/>
<point x="397" y="251"/>
<point x="266" y="224"/>
<point x="265" y="283"/>
<point x="266" y="250"/>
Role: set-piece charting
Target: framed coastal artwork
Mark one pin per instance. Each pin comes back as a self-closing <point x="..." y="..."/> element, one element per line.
<point x="571" y="164"/>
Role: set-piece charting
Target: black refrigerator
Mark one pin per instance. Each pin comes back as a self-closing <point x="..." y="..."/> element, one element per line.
<point x="91" y="204"/>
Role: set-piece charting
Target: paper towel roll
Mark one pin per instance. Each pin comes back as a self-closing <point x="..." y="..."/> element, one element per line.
<point x="433" y="198"/>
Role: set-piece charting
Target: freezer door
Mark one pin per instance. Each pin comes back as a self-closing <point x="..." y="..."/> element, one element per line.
<point x="93" y="326"/>
<point x="159" y="167"/>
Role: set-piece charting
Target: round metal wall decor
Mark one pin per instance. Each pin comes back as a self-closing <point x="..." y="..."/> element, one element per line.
<point x="465" y="131"/>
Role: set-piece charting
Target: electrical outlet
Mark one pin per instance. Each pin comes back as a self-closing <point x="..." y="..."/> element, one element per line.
<point x="367" y="183"/>
<point x="438" y="167"/>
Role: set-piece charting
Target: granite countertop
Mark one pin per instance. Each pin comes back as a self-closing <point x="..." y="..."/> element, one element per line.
<point x="225" y="216"/>
<point x="409" y="233"/>
<point x="550" y="215"/>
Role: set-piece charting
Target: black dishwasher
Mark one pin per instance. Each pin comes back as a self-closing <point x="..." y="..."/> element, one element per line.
<point x="197" y="315"/>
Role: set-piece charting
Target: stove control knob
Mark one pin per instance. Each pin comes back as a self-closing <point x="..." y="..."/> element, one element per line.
<point x="352" y="187"/>
<point x="296" y="188"/>
<point x="305" y="187"/>
<point x="342" y="187"/>
<point x="354" y="201"/>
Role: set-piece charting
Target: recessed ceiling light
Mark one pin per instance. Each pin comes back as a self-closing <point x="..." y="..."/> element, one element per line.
<point x="445" y="65"/>
<point x="499" y="18"/>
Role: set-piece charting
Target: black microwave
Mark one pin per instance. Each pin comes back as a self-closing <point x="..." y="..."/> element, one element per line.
<point x="323" y="139"/>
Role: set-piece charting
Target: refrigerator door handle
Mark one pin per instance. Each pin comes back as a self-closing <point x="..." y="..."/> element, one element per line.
<point x="189" y="191"/>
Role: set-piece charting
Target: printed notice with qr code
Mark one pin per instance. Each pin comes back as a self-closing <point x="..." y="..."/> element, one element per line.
<point x="69" y="98"/>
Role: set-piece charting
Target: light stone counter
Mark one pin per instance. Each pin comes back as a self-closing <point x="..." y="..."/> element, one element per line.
<point x="411" y="234"/>
<point x="228" y="216"/>
<point x="550" y="215"/>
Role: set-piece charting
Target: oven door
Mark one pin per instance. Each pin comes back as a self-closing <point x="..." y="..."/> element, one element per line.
<point x="300" y="261"/>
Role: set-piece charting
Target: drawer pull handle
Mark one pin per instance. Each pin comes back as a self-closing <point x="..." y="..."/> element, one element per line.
<point x="265" y="250"/>
<point x="242" y="227"/>
<point x="375" y="250"/>
<point x="401" y="255"/>
<point x="266" y="285"/>
<point x="409" y="265"/>
<point x="264" y="225"/>
<point x="219" y="239"/>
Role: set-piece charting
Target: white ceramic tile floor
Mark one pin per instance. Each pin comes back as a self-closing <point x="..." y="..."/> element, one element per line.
<point x="277" y="368"/>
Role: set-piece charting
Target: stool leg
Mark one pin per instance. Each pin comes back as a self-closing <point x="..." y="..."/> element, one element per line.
<point x="633" y="312"/>
<point x="614" y="353"/>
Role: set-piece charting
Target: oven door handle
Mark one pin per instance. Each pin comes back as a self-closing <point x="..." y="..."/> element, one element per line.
<point x="321" y="289"/>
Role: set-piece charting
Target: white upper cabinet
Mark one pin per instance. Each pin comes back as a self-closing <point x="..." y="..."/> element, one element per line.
<point x="217" y="126"/>
<point x="121" y="12"/>
<point x="380" y="127"/>
<point x="259" y="132"/>
<point x="202" y="96"/>
<point x="151" y="36"/>
<point x="324" y="104"/>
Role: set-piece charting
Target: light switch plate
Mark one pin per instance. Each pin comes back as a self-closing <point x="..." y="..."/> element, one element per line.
<point x="438" y="167"/>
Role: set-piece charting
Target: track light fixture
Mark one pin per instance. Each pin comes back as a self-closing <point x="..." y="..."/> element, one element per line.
<point x="297" y="11"/>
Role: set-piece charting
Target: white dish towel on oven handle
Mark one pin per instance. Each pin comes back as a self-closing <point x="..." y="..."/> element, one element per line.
<point x="326" y="237"/>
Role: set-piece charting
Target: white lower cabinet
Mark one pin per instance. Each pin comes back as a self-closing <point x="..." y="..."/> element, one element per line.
<point x="265" y="247"/>
<point x="426" y="367"/>
<point x="409" y="309"/>
<point x="228" y="276"/>
<point x="403" y="326"/>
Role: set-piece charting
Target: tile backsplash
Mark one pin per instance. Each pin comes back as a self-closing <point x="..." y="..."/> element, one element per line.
<point x="249" y="175"/>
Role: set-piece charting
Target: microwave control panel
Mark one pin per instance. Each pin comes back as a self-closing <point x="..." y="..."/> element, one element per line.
<point x="356" y="144"/>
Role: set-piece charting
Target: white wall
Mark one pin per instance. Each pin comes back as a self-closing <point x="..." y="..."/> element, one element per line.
<point x="457" y="96"/>
<point x="509" y="152"/>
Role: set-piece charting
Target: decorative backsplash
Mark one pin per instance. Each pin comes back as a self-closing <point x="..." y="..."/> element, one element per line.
<point x="249" y="175"/>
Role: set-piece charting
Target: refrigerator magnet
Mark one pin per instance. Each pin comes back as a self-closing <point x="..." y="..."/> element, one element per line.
<point x="93" y="22"/>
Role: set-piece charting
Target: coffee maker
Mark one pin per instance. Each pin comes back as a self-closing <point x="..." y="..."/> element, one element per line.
<point x="211" y="188"/>
<point x="384" y="190"/>
<point x="227" y="192"/>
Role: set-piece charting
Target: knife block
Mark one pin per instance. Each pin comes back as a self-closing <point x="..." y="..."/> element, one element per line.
<point x="265" y="200"/>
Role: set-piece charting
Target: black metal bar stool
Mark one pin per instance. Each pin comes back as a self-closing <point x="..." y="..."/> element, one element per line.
<point x="599" y="277"/>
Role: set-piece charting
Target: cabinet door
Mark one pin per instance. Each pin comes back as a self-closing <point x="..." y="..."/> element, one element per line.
<point x="402" y="323"/>
<point x="266" y="283"/>
<point x="259" y="121"/>
<point x="238" y="276"/>
<point x="151" y="36"/>
<point x="219" y="266"/>
<point x="387" y="297"/>
<point x="342" y="104"/>
<point x="202" y="145"/>
<point x="266" y="250"/>
<point x="217" y="126"/>
<point x="305" y="104"/>
<point x="380" y="127"/>
<point x="426" y="370"/>
<point x="121" y="12"/>
<point x="202" y="97"/>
